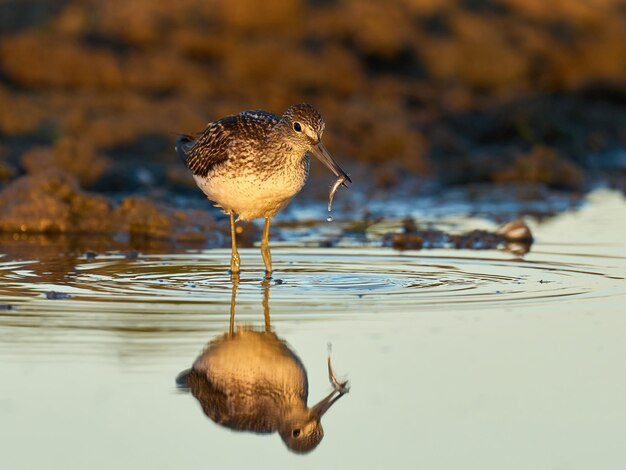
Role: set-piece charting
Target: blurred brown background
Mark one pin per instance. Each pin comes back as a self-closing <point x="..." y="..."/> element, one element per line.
<point x="452" y="91"/>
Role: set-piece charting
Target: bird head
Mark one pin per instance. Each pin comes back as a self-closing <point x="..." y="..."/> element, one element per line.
<point x="302" y="435"/>
<point x="302" y="431"/>
<point x="306" y="127"/>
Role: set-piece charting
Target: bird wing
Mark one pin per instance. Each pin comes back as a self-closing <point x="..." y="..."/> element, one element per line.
<point x="214" y="401"/>
<point x="214" y="145"/>
<point x="234" y="409"/>
<point x="261" y="117"/>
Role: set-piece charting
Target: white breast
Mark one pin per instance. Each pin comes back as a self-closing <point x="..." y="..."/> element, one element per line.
<point x="249" y="196"/>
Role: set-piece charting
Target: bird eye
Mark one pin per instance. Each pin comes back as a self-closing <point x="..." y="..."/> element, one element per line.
<point x="295" y="432"/>
<point x="297" y="127"/>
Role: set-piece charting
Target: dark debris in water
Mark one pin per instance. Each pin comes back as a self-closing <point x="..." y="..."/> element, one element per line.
<point x="131" y="254"/>
<point x="54" y="295"/>
<point x="514" y="236"/>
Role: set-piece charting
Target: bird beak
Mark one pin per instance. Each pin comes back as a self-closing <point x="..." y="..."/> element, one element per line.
<point x="323" y="156"/>
<point x="322" y="407"/>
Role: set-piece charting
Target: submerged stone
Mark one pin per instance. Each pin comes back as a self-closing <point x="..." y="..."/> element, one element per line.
<point x="516" y="230"/>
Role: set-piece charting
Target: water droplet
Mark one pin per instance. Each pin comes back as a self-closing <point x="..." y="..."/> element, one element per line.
<point x="329" y="218"/>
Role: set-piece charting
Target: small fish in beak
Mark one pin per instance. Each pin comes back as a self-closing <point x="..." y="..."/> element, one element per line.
<point x="341" y="387"/>
<point x="339" y="390"/>
<point x="341" y="180"/>
<point x="322" y="155"/>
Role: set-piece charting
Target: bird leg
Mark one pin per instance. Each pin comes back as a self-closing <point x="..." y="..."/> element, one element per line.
<point x="265" y="247"/>
<point x="234" y="278"/>
<point x="266" y="303"/>
<point x="234" y="259"/>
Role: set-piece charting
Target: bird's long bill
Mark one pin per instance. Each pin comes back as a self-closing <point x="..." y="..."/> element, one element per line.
<point x="323" y="156"/>
<point x="323" y="406"/>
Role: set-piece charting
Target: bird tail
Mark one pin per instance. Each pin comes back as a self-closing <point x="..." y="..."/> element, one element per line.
<point x="183" y="145"/>
<point x="182" y="379"/>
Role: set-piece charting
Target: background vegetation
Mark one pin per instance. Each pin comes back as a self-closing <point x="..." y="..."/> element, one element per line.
<point x="440" y="92"/>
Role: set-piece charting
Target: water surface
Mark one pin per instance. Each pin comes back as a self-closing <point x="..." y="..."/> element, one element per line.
<point x="479" y="359"/>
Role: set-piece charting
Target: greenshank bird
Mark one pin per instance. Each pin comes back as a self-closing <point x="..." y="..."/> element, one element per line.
<point x="253" y="163"/>
<point x="252" y="381"/>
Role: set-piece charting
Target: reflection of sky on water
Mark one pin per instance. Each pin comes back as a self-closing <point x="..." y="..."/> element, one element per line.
<point x="438" y="380"/>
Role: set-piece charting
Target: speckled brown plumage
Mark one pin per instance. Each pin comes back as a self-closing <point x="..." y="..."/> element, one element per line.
<point x="253" y="163"/>
<point x="252" y="381"/>
<point x="214" y="146"/>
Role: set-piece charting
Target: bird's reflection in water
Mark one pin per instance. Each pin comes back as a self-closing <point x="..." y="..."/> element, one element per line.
<point x="250" y="380"/>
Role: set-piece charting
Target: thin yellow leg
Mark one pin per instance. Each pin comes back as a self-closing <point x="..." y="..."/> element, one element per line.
<point x="266" y="304"/>
<point x="265" y="247"/>
<point x="234" y="278"/>
<point x="234" y="259"/>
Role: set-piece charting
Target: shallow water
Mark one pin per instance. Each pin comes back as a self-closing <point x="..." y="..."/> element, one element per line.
<point x="455" y="358"/>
